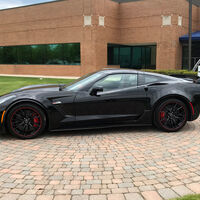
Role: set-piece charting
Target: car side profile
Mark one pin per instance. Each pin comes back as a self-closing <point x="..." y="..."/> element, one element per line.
<point x="107" y="98"/>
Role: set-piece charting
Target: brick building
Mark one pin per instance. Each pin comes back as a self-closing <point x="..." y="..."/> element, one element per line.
<point x="75" y="37"/>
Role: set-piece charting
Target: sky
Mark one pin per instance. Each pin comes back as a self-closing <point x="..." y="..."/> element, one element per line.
<point x="16" y="3"/>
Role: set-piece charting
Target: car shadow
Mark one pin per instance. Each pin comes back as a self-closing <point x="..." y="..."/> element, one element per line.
<point x="190" y="126"/>
<point x="88" y="132"/>
<point x="103" y="131"/>
<point x="5" y="136"/>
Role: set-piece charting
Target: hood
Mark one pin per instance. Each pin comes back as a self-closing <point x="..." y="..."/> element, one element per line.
<point x="44" y="87"/>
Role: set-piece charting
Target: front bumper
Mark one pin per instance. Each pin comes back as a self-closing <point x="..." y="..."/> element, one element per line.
<point x="2" y="123"/>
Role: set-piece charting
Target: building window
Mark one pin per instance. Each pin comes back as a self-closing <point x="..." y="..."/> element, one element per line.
<point x="135" y="57"/>
<point x="113" y="54"/>
<point x="45" y="54"/>
<point x="195" y="55"/>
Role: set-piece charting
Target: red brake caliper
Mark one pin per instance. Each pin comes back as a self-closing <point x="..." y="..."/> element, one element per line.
<point x="162" y="114"/>
<point x="36" y="121"/>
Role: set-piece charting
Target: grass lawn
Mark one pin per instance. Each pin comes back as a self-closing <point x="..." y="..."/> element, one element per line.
<point x="8" y="84"/>
<point x="189" y="197"/>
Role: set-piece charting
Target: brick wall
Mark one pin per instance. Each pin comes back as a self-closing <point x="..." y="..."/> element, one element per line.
<point x="141" y="22"/>
<point x="127" y="23"/>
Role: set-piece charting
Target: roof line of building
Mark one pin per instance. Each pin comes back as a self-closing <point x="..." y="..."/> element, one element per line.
<point x="54" y="1"/>
<point x="194" y="2"/>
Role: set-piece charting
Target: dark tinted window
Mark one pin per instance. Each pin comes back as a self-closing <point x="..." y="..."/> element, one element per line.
<point x="47" y="54"/>
<point x="195" y="55"/>
<point x="125" y="57"/>
<point x="135" y="57"/>
<point x="113" y="55"/>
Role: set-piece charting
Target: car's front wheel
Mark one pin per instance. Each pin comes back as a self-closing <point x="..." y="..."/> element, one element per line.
<point x="26" y="121"/>
<point x="171" y="115"/>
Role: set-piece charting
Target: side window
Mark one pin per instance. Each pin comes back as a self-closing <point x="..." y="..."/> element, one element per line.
<point x="147" y="79"/>
<point x="151" y="79"/>
<point x="117" y="81"/>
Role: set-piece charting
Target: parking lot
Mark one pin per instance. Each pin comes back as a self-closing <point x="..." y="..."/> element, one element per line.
<point x="108" y="164"/>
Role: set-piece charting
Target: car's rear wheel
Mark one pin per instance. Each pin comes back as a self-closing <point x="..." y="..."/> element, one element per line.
<point x="26" y="121"/>
<point x="171" y="115"/>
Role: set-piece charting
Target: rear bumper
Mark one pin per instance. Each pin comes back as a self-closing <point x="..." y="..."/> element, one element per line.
<point x="194" y="109"/>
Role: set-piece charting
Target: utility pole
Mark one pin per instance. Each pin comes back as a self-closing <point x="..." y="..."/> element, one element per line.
<point x="190" y="36"/>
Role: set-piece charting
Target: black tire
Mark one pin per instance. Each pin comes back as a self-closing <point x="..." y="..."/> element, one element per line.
<point x="170" y="115"/>
<point x="26" y="121"/>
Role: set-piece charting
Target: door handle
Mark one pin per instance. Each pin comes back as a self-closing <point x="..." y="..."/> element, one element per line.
<point x="146" y="88"/>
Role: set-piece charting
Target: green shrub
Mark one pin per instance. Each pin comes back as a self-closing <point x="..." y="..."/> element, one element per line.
<point x="173" y="72"/>
<point x="189" y="197"/>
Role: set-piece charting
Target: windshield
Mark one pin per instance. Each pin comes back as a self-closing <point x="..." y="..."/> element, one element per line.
<point x="83" y="81"/>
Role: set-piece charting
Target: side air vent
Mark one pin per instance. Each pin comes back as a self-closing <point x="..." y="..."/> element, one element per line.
<point x="155" y="84"/>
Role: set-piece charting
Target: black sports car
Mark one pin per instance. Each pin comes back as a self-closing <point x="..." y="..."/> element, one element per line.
<point x="107" y="98"/>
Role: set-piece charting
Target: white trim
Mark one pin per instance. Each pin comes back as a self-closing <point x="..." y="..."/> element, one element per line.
<point x="166" y="20"/>
<point x="180" y="20"/>
<point x="102" y="21"/>
<point x="87" y="20"/>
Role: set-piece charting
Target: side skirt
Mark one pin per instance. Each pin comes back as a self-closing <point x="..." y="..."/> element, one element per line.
<point x="143" y="120"/>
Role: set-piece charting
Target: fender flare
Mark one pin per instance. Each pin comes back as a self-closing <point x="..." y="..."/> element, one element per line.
<point x="26" y="101"/>
<point x="179" y="97"/>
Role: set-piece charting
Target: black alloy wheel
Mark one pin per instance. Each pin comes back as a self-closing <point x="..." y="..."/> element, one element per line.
<point x="26" y="121"/>
<point x="171" y="115"/>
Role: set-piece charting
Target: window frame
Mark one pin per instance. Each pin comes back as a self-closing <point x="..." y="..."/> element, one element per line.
<point x="115" y="90"/>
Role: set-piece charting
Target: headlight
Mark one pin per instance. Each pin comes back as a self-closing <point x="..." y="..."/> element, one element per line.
<point x="6" y="99"/>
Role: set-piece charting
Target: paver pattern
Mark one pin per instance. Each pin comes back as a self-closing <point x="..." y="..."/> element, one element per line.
<point x="109" y="164"/>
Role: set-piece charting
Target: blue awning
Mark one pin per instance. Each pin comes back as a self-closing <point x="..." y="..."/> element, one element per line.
<point x="195" y="37"/>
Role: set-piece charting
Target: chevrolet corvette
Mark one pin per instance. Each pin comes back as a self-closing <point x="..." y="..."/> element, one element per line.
<point x="107" y="98"/>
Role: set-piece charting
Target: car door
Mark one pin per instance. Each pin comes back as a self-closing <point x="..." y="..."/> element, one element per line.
<point x="121" y="101"/>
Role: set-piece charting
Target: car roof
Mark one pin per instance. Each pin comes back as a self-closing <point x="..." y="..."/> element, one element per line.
<point x="115" y="70"/>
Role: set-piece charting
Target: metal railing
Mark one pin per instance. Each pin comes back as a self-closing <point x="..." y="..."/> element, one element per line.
<point x="196" y="62"/>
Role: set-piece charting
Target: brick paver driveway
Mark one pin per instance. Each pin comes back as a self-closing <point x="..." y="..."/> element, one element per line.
<point x="113" y="164"/>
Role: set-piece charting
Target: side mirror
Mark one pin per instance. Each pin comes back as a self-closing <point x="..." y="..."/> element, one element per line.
<point x="95" y="90"/>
